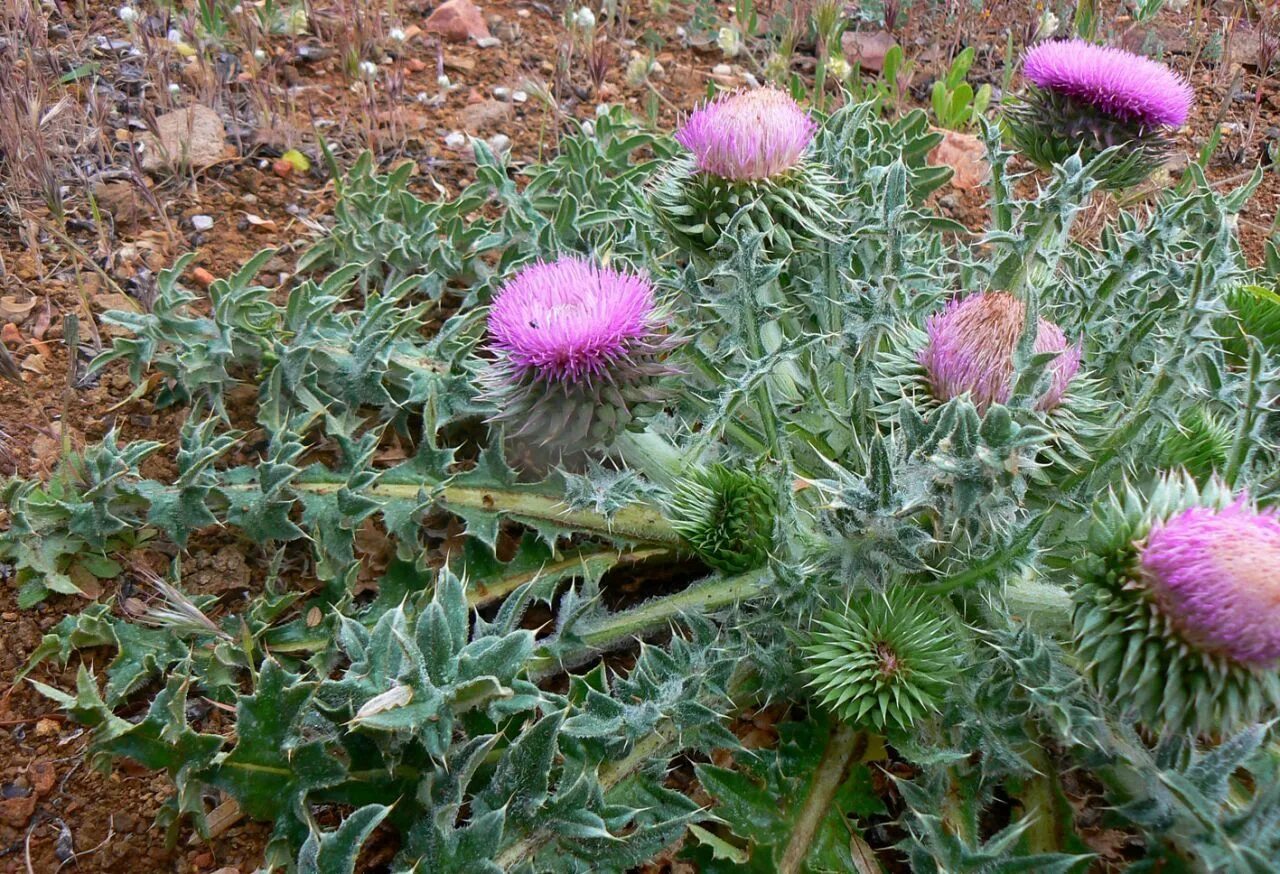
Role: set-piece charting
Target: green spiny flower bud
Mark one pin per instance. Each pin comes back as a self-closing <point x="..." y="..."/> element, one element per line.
<point x="885" y="662"/>
<point x="727" y="517"/>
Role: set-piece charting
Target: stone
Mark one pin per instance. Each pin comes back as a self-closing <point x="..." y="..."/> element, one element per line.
<point x="16" y="812"/>
<point x="456" y="141"/>
<point x="457" y="21"/>
<point x="201" y="222"/>
<point x="867" y="48"/>
<point x="966" y="155"/>
<point x="194" y="137"/>
<point x="485" y="115"/>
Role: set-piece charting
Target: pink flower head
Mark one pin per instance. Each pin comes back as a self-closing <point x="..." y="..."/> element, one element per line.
<point x="971" y="346"/>
<point x="750" y="135"/>
<point x="569" y="319"/>
<point x="1111" y="80"/>
<point x="1215" y="574"/>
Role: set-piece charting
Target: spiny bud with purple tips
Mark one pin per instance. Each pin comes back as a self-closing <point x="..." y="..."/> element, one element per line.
<point x="748" y="136"/>
<point x="745" y="160"/>
<point x="1087" y="98"/>
<point x="577" y="348"/>
<point x="1216" y="575"/>
<point x="971" y="347"/>
<point x="1178" y="611"/>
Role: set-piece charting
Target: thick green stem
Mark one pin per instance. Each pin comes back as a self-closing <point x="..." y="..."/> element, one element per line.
<point x="710" y="595"/>
<point x="634" y="522"/>
<point x="653" y="456"/>
<point x="844" y="747"/>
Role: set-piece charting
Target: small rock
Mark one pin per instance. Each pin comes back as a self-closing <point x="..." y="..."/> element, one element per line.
<point x="457" y="21"/>
<point x="201" y="222"/>
<point x="499" y="143"/>
<point x="10" y="336"/>
<point x="485" y="115"/>
<point x="460" y="65"/>
<point x="519" y="96"/>
<point x="456" y="141"/>
<point x="15" y="812"/>
<point x="122" y="200"/>
<point x="488" y="42"/>
<point x="43" y="777"/>
<point x="867" y="48"/>
<point x="966" y="156"/>
<point x="9" y="616"/>
<point x="722" y="70"/>
<point x="502" y="92"/>
<point x="193" y="137"/>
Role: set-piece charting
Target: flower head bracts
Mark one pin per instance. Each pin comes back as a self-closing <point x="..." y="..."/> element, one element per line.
<point x="971" y="349"/>
<point x="1216" y="575"/>
<point x="1177" y="607"/>
<point x="578" y="349"/>
<point x="885" y="662"/>
<point x="1111" y="80"/>
<point x="570" y="319"/>
<point x="748" y="136"/>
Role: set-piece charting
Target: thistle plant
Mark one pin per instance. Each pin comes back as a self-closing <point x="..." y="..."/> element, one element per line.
<point x="746" y="161"/>
<point x="867" y="496"/>
<point x="1177" y="607"/>
<point x="971" y="348"/>
<point x="578" y="349"/>
<point x="1088" y="99"/>
<point x="885" y="662"/>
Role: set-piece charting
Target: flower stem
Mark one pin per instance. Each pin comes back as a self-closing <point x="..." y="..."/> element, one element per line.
<point x="844" y="747"/>
<point x="707" y="596"/>
<point x="638" y="522"/>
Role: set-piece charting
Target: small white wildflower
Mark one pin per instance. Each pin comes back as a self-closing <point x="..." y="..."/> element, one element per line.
<point x="680" y="33"/>
<point x="368" y="68"/>
<point x="1048" y="25"/>
<point x="237" y="9"/>
<point x="397" y="34"/>
<point x="838" y="67"/>
<point x="585" y="19"/>
<point x="175" y="88"/>
<point x="730" y="41"/>
<point x="588" y="128"/>
<point x="602" y="109"/>
<point x="128" y="14"/>
<point x="260" y="56"/>
<point x="443" y="81"/>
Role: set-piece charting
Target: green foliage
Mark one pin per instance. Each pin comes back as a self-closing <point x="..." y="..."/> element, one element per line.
<point x="497" y="713"/>
<point x="759" y="806"/>
<point x="956" y="105"/>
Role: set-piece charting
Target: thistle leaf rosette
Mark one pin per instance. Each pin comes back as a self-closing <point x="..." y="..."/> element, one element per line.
<point x="746" y="162"/>
<point x="578" y="350"/>
<point x="727" y="516"/>
<point x="1088" y="98"/>
<point x="885" y="662"/>
<point x="1178" y="607"/>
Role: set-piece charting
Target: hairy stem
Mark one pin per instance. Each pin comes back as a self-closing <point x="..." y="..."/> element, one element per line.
<point x="844" y="747"/>
<point x="633" y="522"/>
<point x="707" y="596"/>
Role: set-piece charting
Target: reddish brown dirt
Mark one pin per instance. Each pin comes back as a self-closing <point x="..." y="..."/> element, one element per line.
<point x="48" y="790"/>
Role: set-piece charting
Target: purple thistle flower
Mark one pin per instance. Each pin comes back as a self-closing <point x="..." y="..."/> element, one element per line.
<point x="1213" y="574"/>
<point x="971" y="347"/>
<point x="748" y="136"/>
<point x="1111" y="80"/>
<point x="569" y="319"/>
